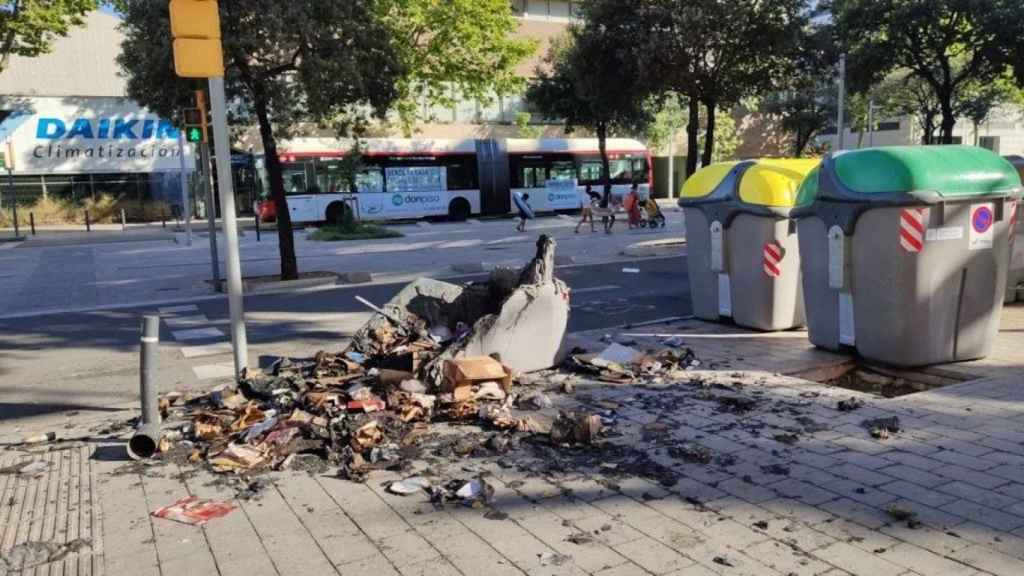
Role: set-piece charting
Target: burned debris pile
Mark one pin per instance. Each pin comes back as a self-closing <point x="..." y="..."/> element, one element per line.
<point x="437" y="352"/>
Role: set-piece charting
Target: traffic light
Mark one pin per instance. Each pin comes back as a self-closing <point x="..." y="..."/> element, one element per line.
<point x="195" y="26"/>
<point x="195" y="125"/>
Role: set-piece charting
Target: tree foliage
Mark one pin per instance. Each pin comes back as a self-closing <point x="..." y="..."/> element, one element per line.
<point x="454" y="48"/>
<point x="948" y="44"/>
<point x="28" y="27"/>
<point x="286" y="63"/>
<point x="706" y="50"/>
<point x="806" y="104"/>
<point x="586" y="80"/>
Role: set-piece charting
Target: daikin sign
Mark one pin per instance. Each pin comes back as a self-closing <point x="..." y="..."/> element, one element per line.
<point x="88" y="135"/>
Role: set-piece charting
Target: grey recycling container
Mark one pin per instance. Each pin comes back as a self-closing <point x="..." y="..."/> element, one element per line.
<point x="1015" y="276"/>
<point x="743" y="258"/>
<point x="905" y="252"/>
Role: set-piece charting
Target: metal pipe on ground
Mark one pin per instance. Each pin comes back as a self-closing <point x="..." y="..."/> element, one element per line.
<point x="146" y="441"/>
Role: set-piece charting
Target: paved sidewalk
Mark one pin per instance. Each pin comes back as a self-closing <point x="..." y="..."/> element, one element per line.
<point x="735" y="471"/>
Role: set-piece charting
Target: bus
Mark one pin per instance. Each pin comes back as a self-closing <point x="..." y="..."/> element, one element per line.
<point x="401" y="179"/>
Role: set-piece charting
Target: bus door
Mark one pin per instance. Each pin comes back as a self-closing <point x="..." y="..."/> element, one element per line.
<point x="300" y="191"/>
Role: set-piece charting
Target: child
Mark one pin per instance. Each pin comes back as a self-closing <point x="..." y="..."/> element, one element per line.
<point x="525" y="212"/>
<point x="654" y="216"/>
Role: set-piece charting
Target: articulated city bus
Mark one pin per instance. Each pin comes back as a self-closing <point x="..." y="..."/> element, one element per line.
<point x="408" y="179"/>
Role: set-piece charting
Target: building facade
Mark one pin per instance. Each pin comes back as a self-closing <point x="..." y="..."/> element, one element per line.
<point x="74" y="132"/>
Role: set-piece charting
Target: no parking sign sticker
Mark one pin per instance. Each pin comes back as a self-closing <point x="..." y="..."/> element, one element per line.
<point x="983" y="221"/>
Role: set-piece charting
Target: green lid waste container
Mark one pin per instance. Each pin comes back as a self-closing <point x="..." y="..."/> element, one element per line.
<point x="905" y="251"/>
<point x="1015" y="276"/>
<point x="743" y="256"/>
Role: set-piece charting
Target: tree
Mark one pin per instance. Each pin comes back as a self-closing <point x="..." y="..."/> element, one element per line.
<point x="524" y="129"/>
<point x="976" y="102"/>
<point x="720" y="65"/>
<point x="455" y="48"/>
<point x="806" y="103"/>
<point x="286" y="63"/>
<point x="578" y="84"/>
<point x="28" y="27"/>
<point x="948" y="44"/>
<point x="667" y="116"/>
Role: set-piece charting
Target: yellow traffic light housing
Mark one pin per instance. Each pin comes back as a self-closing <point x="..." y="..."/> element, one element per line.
<point x="195" y="26"/>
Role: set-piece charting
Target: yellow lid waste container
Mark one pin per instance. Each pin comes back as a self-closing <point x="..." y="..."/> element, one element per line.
<point x="743" y="253"/>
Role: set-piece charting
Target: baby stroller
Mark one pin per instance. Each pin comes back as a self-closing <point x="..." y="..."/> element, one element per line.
<point x="652" y="216"/>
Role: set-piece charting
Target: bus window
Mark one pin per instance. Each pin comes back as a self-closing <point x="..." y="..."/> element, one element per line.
<point x="462" y="176"/>
<point x="329" y="177"/>
<point x="621" y="169"/>
<point x="294" y="179"/>
<point x="532" y="177"/>
<point x="370" y="181"/>
<point x="563" y="170"/>
<point x="590" y="171"/>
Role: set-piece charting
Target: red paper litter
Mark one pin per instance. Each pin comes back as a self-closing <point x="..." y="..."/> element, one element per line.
<point x="194" y="511"/>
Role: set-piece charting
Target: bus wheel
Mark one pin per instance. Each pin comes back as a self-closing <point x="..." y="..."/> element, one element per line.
<point x="459" y="210"/>
<point x="337" y="213"/>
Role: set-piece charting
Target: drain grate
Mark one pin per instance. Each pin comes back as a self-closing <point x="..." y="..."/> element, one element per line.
<point x="882" y="381"/>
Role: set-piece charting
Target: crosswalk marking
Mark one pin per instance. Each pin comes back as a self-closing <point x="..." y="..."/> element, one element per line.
<point x="197" y="334"/>
<point x="207" y="350"/>
<point x="179" y="309"/>
<point x="211" y="371"/>
<point x="187" y="321"/>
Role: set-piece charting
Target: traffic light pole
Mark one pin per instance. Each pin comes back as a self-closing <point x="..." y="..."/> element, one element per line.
<point x="222" y="153"/>
<point x="186" y="207"/>
<point x="211" y="214"/>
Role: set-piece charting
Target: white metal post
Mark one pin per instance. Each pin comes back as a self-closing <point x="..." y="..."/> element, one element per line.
<point x="186" y="207"/>
<point x="671" y="164"/>
<point x="840" y="135"/>
<point x="222" y="154"/>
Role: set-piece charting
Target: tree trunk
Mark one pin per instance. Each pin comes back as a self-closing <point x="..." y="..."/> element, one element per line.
<point x="692" y="129"/>
<point x="606" y="177"/>
<point x="976" y="139"/>
<point x="948" y="117"/>
<point x="709" y="134"/>
<point x="285" y="238"/>
<point x="801" y="142"/>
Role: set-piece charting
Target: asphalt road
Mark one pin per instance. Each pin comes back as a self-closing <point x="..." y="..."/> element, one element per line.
<point x="82" y="361"/>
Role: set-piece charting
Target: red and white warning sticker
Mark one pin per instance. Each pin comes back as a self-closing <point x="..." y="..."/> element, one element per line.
<point x="1013" y="207"/>
<point x="983" y="220"/>
<point x="913" y="229"/>
<point x="773" y="255"/>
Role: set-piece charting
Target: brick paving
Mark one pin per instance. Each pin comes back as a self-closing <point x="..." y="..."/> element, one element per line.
<point x="819" y="506"/>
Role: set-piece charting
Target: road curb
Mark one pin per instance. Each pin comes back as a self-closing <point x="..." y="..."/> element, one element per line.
<point x="263" y="287"/>
<point x="665" y="247"/>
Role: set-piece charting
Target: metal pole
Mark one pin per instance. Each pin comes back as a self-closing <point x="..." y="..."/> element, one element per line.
<point x="147" y="438"/>
<point x="871" y="123"/>
<point x="211" y="214"/>
<point x="256" y="211"/>
<point x="14" y="199"/>
<point x="88" y="223"/>
<point x="185" y="208"/>
<point x="671" y="164"/>
<point x="32" y="222"/>
<point x="124" y="222"/>
<point x="222" y="153"/>
<point x="840" y="136"/>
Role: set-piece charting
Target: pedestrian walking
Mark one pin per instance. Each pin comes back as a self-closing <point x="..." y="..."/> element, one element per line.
<point x="525" y="211"/>
<point x="632" y="206"/>
<point x="587" y="204"/>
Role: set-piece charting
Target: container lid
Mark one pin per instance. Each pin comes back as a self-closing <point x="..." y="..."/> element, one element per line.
<point x="703" y="182"/>
<point x="774" y="182"/>
<point x="1018" y="163"/>
<point x="922" y="171"/>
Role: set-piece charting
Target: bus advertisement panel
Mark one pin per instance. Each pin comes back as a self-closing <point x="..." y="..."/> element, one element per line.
<point x="562" y="194"/>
